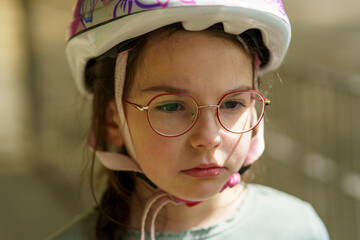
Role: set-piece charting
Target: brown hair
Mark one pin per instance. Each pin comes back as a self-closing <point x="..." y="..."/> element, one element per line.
<point x="100" y="73"/>
<point x="114" y="207"/>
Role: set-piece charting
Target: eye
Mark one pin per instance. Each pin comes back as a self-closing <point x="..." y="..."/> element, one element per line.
<point x="232" y="105"/>
<point x="170" y="107"/>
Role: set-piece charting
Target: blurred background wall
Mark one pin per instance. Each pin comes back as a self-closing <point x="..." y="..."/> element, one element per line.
<point x="312" y="131"/>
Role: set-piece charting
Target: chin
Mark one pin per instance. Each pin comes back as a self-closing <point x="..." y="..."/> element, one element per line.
<point x="201" y="192"/>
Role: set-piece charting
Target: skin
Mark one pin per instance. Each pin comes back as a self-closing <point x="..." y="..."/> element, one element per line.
<point x="205" y="65"/>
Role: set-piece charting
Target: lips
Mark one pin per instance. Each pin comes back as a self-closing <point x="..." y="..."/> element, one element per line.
<point x="204" y="172"/>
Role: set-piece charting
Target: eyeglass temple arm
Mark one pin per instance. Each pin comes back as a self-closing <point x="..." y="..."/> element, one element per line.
<point x="139" y="107"/>
<point x="266" y="101"/>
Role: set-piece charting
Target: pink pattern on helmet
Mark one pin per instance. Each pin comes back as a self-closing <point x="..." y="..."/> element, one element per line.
<point x="279" y="5"/>
<point x="84" y="11"/>
<point x="163" y="3"/>
<point x="188" y="1"/>
<point x="75" y="25"/>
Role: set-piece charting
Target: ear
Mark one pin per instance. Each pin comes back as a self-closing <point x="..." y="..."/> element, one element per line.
<point x="112" y="125"/>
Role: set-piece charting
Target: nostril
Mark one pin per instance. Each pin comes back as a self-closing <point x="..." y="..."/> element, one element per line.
<point x="202" y="143"/>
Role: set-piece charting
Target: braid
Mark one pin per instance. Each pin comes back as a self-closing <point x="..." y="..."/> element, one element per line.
<point x="114" y="207"/>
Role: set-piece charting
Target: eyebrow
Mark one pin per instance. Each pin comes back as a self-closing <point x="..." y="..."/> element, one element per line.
<point x="165" y="88"/>
<point x="170" y="89"/>
<point x="242" y="88"/>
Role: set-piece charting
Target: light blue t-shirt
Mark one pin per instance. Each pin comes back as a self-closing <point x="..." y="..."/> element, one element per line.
<point x="266" y="213"/>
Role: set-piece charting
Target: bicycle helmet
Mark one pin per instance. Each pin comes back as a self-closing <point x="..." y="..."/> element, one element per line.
<point x="99" y="25"/>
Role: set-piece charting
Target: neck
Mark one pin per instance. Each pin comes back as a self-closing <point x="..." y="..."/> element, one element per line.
<point x="177" y="218"/>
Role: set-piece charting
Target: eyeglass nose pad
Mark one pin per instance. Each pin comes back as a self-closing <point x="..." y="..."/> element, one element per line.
<point x="193" y="116"/>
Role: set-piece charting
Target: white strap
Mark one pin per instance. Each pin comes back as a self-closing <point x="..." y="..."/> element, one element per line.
<point x="158" y="195"/>
<point x="117" y="161"/>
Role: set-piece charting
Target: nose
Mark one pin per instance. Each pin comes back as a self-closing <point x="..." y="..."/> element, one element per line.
<point x="205" y="134"/>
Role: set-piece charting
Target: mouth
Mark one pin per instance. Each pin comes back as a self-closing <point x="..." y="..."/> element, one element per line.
<point x="204" y="172"/>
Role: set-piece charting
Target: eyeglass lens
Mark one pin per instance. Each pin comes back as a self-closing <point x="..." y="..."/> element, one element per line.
<point x="174" y="114"/>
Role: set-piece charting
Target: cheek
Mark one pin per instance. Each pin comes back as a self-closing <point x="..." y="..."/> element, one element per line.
<point x="154" y="152"/>
<point x="153" y="146"/>
<point x="236" y="149"/>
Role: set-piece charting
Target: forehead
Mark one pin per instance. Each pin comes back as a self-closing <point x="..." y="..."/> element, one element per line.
<point x="191" y="60"/>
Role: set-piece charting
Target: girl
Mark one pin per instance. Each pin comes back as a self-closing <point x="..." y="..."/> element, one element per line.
<point x="177" y="118"/>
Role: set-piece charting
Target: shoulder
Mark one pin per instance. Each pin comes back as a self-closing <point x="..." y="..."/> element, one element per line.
<point x="282" y="215"/>
<point x="82" y="227"/>
<point x="270" y="196"/>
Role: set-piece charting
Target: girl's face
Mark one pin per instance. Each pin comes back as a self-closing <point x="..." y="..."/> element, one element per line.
<point x="206" y="65"/>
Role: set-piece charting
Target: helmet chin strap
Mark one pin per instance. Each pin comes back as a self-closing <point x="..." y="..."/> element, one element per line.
<point x="121" y="162"/>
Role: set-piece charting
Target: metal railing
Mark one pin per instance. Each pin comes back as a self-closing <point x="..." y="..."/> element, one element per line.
<point x="313" y="141"/>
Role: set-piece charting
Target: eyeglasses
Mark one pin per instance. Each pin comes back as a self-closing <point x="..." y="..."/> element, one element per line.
<point x="174" y="114"/>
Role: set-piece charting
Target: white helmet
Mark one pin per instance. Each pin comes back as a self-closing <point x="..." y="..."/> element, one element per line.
<point x="99" y="25"/>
